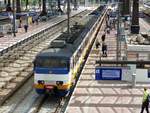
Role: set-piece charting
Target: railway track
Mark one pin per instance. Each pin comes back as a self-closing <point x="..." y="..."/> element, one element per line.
<point x="62" y="104"/>
<point x="16" y="66"/>
<point x="20" y="104"/>
<point x="25" y="100"/>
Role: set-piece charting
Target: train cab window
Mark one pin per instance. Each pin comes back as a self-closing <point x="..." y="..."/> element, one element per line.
<point x="52" y="63"/>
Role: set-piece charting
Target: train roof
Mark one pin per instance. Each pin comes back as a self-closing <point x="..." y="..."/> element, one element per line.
<point x="56" y="52"/>
<point x="71" y="45"/>
<point x="61" y="50"/>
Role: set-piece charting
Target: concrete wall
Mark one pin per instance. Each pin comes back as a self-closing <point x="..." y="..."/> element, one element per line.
<point x="141" y="75"/>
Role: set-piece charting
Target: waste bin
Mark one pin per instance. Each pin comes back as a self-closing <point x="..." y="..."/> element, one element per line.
<point x="133" y="80"/>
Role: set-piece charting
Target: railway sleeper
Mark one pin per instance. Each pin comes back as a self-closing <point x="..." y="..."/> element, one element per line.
<point x="2" y="85"/>
<point x="11" y="59"/>
<point x="13" y="78"/>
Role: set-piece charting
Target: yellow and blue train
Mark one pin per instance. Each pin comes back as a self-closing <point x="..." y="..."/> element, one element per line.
<point x="56" y="68"/>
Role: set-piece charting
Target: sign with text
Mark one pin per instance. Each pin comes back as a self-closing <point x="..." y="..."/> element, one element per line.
<point x="108" y="73"/>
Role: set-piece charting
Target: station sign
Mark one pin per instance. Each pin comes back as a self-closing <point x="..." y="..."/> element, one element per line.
<point x="108" y="73"/>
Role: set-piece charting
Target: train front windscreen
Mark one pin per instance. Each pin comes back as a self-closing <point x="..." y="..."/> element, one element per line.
<point x="51" y="65"/>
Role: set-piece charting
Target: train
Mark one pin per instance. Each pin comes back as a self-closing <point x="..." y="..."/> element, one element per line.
<point x="56" y="68"/>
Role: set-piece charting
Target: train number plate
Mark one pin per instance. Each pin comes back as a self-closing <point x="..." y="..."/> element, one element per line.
<point x="49" y="87"/>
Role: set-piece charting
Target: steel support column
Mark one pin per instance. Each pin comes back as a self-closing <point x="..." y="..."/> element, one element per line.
<point x="135" y="28"/>
<point x="68" y="17"/>
<point x="14" y="19"/>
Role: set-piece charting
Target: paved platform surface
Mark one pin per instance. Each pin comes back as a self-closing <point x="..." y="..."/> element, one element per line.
<point x="144" y="25"/>
<point x="9" y="40"/>
<point x="91" y="96"/>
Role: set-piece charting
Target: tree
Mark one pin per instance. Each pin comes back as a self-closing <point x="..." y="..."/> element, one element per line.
<point x="5" y="2"/>
<point x="44" y="12"/>
<point x="8" y="7"/>
<point x="9" y="2"/>
<point x="59" y="8"/>
<point x="40" y="2"/>
<point x="27" y="3"/>
<point x="125" y="7"/>
<point x="18" y="6"/>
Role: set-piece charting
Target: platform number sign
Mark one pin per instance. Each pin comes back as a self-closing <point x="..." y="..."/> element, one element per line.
<point x="106" y="73"/>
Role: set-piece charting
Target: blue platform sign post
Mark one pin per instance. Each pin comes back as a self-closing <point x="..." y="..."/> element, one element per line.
<point x="108" y="73"/>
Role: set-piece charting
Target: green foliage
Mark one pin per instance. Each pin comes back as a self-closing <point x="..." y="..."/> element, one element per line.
<point x="30" y="2"/>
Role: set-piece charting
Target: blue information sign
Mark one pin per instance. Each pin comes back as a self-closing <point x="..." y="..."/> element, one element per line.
<point x="103" y="73"/>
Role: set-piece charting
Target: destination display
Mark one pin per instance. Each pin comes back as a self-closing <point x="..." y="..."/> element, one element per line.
<point x="108" y="73"/>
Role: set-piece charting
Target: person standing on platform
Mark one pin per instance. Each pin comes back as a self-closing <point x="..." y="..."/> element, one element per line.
<point x="145" y="101"/>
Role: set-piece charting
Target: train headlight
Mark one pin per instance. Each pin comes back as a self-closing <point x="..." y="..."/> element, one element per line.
<point x="41" y="82"/>
<point x="59" y="82"/>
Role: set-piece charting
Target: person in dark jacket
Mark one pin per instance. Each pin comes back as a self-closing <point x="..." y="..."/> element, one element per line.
<point x="103" y="37"/>
<point x="104" y="50"/>
<point x="97" y="44"/>
<point x="26" y="28"/>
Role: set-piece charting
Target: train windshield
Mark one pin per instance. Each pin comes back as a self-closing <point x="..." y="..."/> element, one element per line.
<point x="52" y="63"/>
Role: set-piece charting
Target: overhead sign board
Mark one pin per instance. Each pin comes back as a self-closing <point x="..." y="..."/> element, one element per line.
<point x="108" y="73"/>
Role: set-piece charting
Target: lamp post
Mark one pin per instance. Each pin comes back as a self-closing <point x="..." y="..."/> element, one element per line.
<point x="14" y="18"/>
<point x="118" y="32"/>
<point x="68" y="17"/>
<point x="135" y="28"/>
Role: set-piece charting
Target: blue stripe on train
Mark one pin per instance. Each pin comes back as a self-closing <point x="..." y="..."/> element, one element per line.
<point x="51" y="70"/>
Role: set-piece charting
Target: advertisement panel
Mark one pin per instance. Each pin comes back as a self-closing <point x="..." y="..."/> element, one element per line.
<point x="108" y="73"/>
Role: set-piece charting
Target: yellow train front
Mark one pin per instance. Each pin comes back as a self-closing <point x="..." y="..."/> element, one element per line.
<point x="55" y="68"/>
<point x="52" y="71"/>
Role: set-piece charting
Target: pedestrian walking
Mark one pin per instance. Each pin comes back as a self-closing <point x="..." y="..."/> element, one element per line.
<point x="33" y="20"/>
<point x="114" y="23"/>
<point x="20" y="22"/>
<point x="37" y="21"/>
<point x="103" y="37"/>
<point x="26" y="28"/>
<point x="104" y="49"/>
<point x="97" y="44"/>
<point x="108" y="30"/>
<point x="145" y="101"/>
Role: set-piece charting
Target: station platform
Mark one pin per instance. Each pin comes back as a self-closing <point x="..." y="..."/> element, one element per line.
<point x="103" y="96"/>
<point x="144" y="25"/>
<point x="8" y="40"/>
